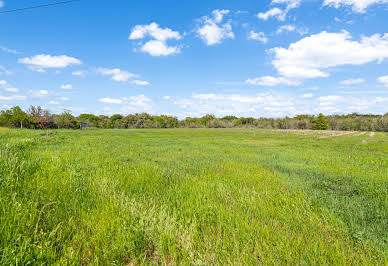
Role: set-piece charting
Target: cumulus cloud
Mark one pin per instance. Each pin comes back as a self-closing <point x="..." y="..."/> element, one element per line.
<point x="258" y="36"/>
<point x="159" y="48"/>
<point x="139" y="103"/>
<point x="312" y="56"/>
<point x="41" y="62"/>
<point x="271" y="81"/>
<point x="309" y="57"/>
<point x="264" y="104"/>
<point x="66" y="86"/>
<point x="4" y="85"/>
<point x="117" y="74"/>
<point x="352" y="81"/>
<point x="212" y="31"/>
<point x="272" y="104"/>
<point x="359" y="6"/>
<point x="277" y="12"/>
<point x="158" y="45"/>
<point x="111" y="100"/>
<point x="383" y="80"/>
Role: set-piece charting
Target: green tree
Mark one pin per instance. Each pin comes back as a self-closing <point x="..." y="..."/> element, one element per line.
<point x="320" y="122"/>
<point x="15" y="117"/>
<point x="66" y="120"/>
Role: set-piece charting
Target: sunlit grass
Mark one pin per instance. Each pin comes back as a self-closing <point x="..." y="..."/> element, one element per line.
<point x="188" y="196"/>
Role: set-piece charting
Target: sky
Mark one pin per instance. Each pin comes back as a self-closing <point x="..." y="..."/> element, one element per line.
<point x="190" y="58"/>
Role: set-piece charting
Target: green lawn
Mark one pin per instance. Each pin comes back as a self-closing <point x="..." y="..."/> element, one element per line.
<point x="193" y="196"/>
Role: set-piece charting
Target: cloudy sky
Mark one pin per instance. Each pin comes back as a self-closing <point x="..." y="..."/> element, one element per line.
<point x="190" y="58"/>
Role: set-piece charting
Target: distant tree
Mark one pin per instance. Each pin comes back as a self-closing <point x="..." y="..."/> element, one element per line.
<point x="15" y="117"/>
<point x="66" y="120"/>
<point x="90" y="120"/>
<point x="103" y="119"/>
<point x="229" y="118"/>
<point x="320" y="122"/>
<point x="41" y="118"/>
<point x="114" y="121"/>
<point x="205" y="120"/>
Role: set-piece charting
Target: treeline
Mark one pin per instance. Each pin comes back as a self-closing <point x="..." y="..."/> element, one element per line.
<point x="38" y="118"/>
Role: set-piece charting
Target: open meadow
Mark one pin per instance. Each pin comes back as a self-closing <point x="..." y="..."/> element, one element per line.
<point x="193" y="196"/>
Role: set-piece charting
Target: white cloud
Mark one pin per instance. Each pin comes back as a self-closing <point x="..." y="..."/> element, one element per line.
<point x="138" y="103"/>
<point x="1" y="4"/>
<point x="80" y="73"/>
<point x="291" y="28"/>
<point x="383" y="80"/>
<point x="277" y="12"/>
<point x="5" y="71"/>
<point x="140" y="82"/>
<point x="132" y="104"/>
<point x="258" y="36"/>
<point x="341" y="104"/>
<point x="212" y="31"/>
<point x="166" y="97"/>
<point x="11" y="89"/>
<point x="357" y="5"/>
<point x="39" y="93"/>
<point x="111" y="100"/>
<point x="264" y="104"/>
<point x="285" y="28"/>
<point x="271" y="81"/>
<point x="158" y="45"/>
<point x="312" y="56"/>
<point x="53" y="102"/>
<point x="13" y="98"/>
<point x="352" y="81"/>
<point x="66" y="86"/>
<point x="117" y="74"/>
<point x="153" y="29"/>
<point x="8" y="50"/>
<point x="159" y="48"/>
<point x="271" y="104"/>
<point x="307" y="95"/>
<point x="7" y="87"/>
<point x="330" y="100"/>
<point x="64" y="99"/>
<point x="274" y="12"/>
<point x="41" y="62"/>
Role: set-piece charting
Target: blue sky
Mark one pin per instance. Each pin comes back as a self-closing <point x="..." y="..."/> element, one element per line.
<point x="189" y="58"/>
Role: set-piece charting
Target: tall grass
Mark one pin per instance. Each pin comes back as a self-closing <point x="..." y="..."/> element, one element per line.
<point x="192" y="197"/>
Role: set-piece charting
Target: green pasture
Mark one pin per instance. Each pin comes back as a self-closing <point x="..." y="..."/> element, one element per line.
<point x="193" y="197"/>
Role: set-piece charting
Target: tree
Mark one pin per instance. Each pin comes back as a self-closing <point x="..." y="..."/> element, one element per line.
<point x="320" y="122"/>
<point x="66" y="120"/>
<point x="15" y="117"/>
<point x="90" y="120"/>
<point x="41" y="118"/>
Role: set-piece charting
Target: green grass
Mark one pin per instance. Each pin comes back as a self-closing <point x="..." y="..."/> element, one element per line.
<point x="187" y="196"/>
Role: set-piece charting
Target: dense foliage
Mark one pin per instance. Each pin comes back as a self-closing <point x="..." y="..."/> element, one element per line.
<point x="38" y="118"/>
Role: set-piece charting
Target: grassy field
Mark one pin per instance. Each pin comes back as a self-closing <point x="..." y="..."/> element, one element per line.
<point x="185" y="196"/>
